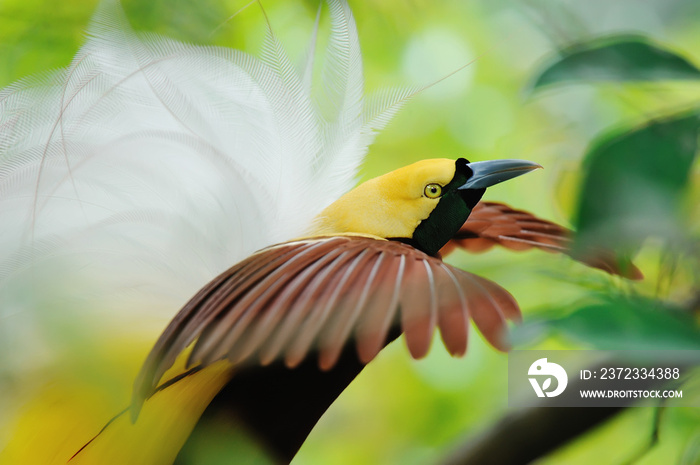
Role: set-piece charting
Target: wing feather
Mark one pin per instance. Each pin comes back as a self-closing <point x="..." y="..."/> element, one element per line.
<point x="204" y="307"/>
<point x="491" y="224"/>
<point x="373" y="329"/>
<point x="272" y="315"/>
<point x="322" y="293"/>
<point x="486" y="310"/>
<point x="338" y="295"/>
<point x="418" y="307"/>
<point x="453" y="319"/>
<point x="235" y="318"/>
<point x="338" y="330"/>
<point x="298" y="311"/>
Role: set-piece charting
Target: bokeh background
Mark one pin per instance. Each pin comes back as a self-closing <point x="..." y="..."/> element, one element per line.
<point x="415" y="412"/>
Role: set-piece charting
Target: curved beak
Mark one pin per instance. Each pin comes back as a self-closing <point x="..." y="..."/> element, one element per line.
<point x="490" y="172"/>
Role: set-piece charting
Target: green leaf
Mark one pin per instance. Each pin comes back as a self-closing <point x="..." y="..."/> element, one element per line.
<point x="616" y="58"/>
<point x="633" y="183"/>
<point x="628" y="324"/>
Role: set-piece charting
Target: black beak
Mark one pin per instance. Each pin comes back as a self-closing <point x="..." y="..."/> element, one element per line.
<point x="487" y="173"/>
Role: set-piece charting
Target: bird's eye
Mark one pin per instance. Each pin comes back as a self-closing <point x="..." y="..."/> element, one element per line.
<point x="433" y="191"/>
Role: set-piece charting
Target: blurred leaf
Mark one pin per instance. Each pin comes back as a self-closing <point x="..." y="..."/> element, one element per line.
<point x="178" y="19"/>
<point x="223" y="441"/>
<point x="633" y="182"/>
<point x="39" y="35"/>
<point x="630" y="325"/>
<point x="616" y="58"/>
<point x="691" y="456"/>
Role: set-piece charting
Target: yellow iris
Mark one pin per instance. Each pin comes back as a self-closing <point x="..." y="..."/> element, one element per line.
<point x="433" y="191"/>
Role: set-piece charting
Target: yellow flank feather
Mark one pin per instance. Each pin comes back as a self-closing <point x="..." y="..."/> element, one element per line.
<point x="389" y="206"/>
<point x="69" y="410"/>
<point x="163" y="426"/>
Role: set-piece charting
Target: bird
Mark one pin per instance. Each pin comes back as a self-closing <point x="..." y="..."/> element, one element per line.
<point x="370" y="263"/>
<point x="370" y="253"/>
<point x="149" y="169"/>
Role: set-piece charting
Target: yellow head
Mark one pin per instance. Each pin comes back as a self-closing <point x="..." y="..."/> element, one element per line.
<point x="423" y="204"/>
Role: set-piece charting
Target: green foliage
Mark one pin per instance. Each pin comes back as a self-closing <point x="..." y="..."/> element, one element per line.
<point x="634" y="182"/>
<point x="617" y="323"/>
<point x="634" y="179"/>
<point x="691" y="456"/>
<point x="615" y="58"/>
<point x="40" y="35"/>
<point x="636" y="190"/>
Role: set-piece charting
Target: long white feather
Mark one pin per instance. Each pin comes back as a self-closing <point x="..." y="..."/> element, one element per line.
<point x="135" y="175"/>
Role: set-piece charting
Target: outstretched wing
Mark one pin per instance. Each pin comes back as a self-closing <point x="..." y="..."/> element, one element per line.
<point x="320" y="293"/>
<point x="492" y="223"/>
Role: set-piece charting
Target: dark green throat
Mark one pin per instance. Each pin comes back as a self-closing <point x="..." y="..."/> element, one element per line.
<point x="449" y="215"/>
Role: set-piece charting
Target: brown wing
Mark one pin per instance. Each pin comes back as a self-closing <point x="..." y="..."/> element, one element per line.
<point x="320" y="293"/>
<point x="492" y="223"/>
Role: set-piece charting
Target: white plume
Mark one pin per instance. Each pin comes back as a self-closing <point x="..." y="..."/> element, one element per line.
<point x="134" y="176"/>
